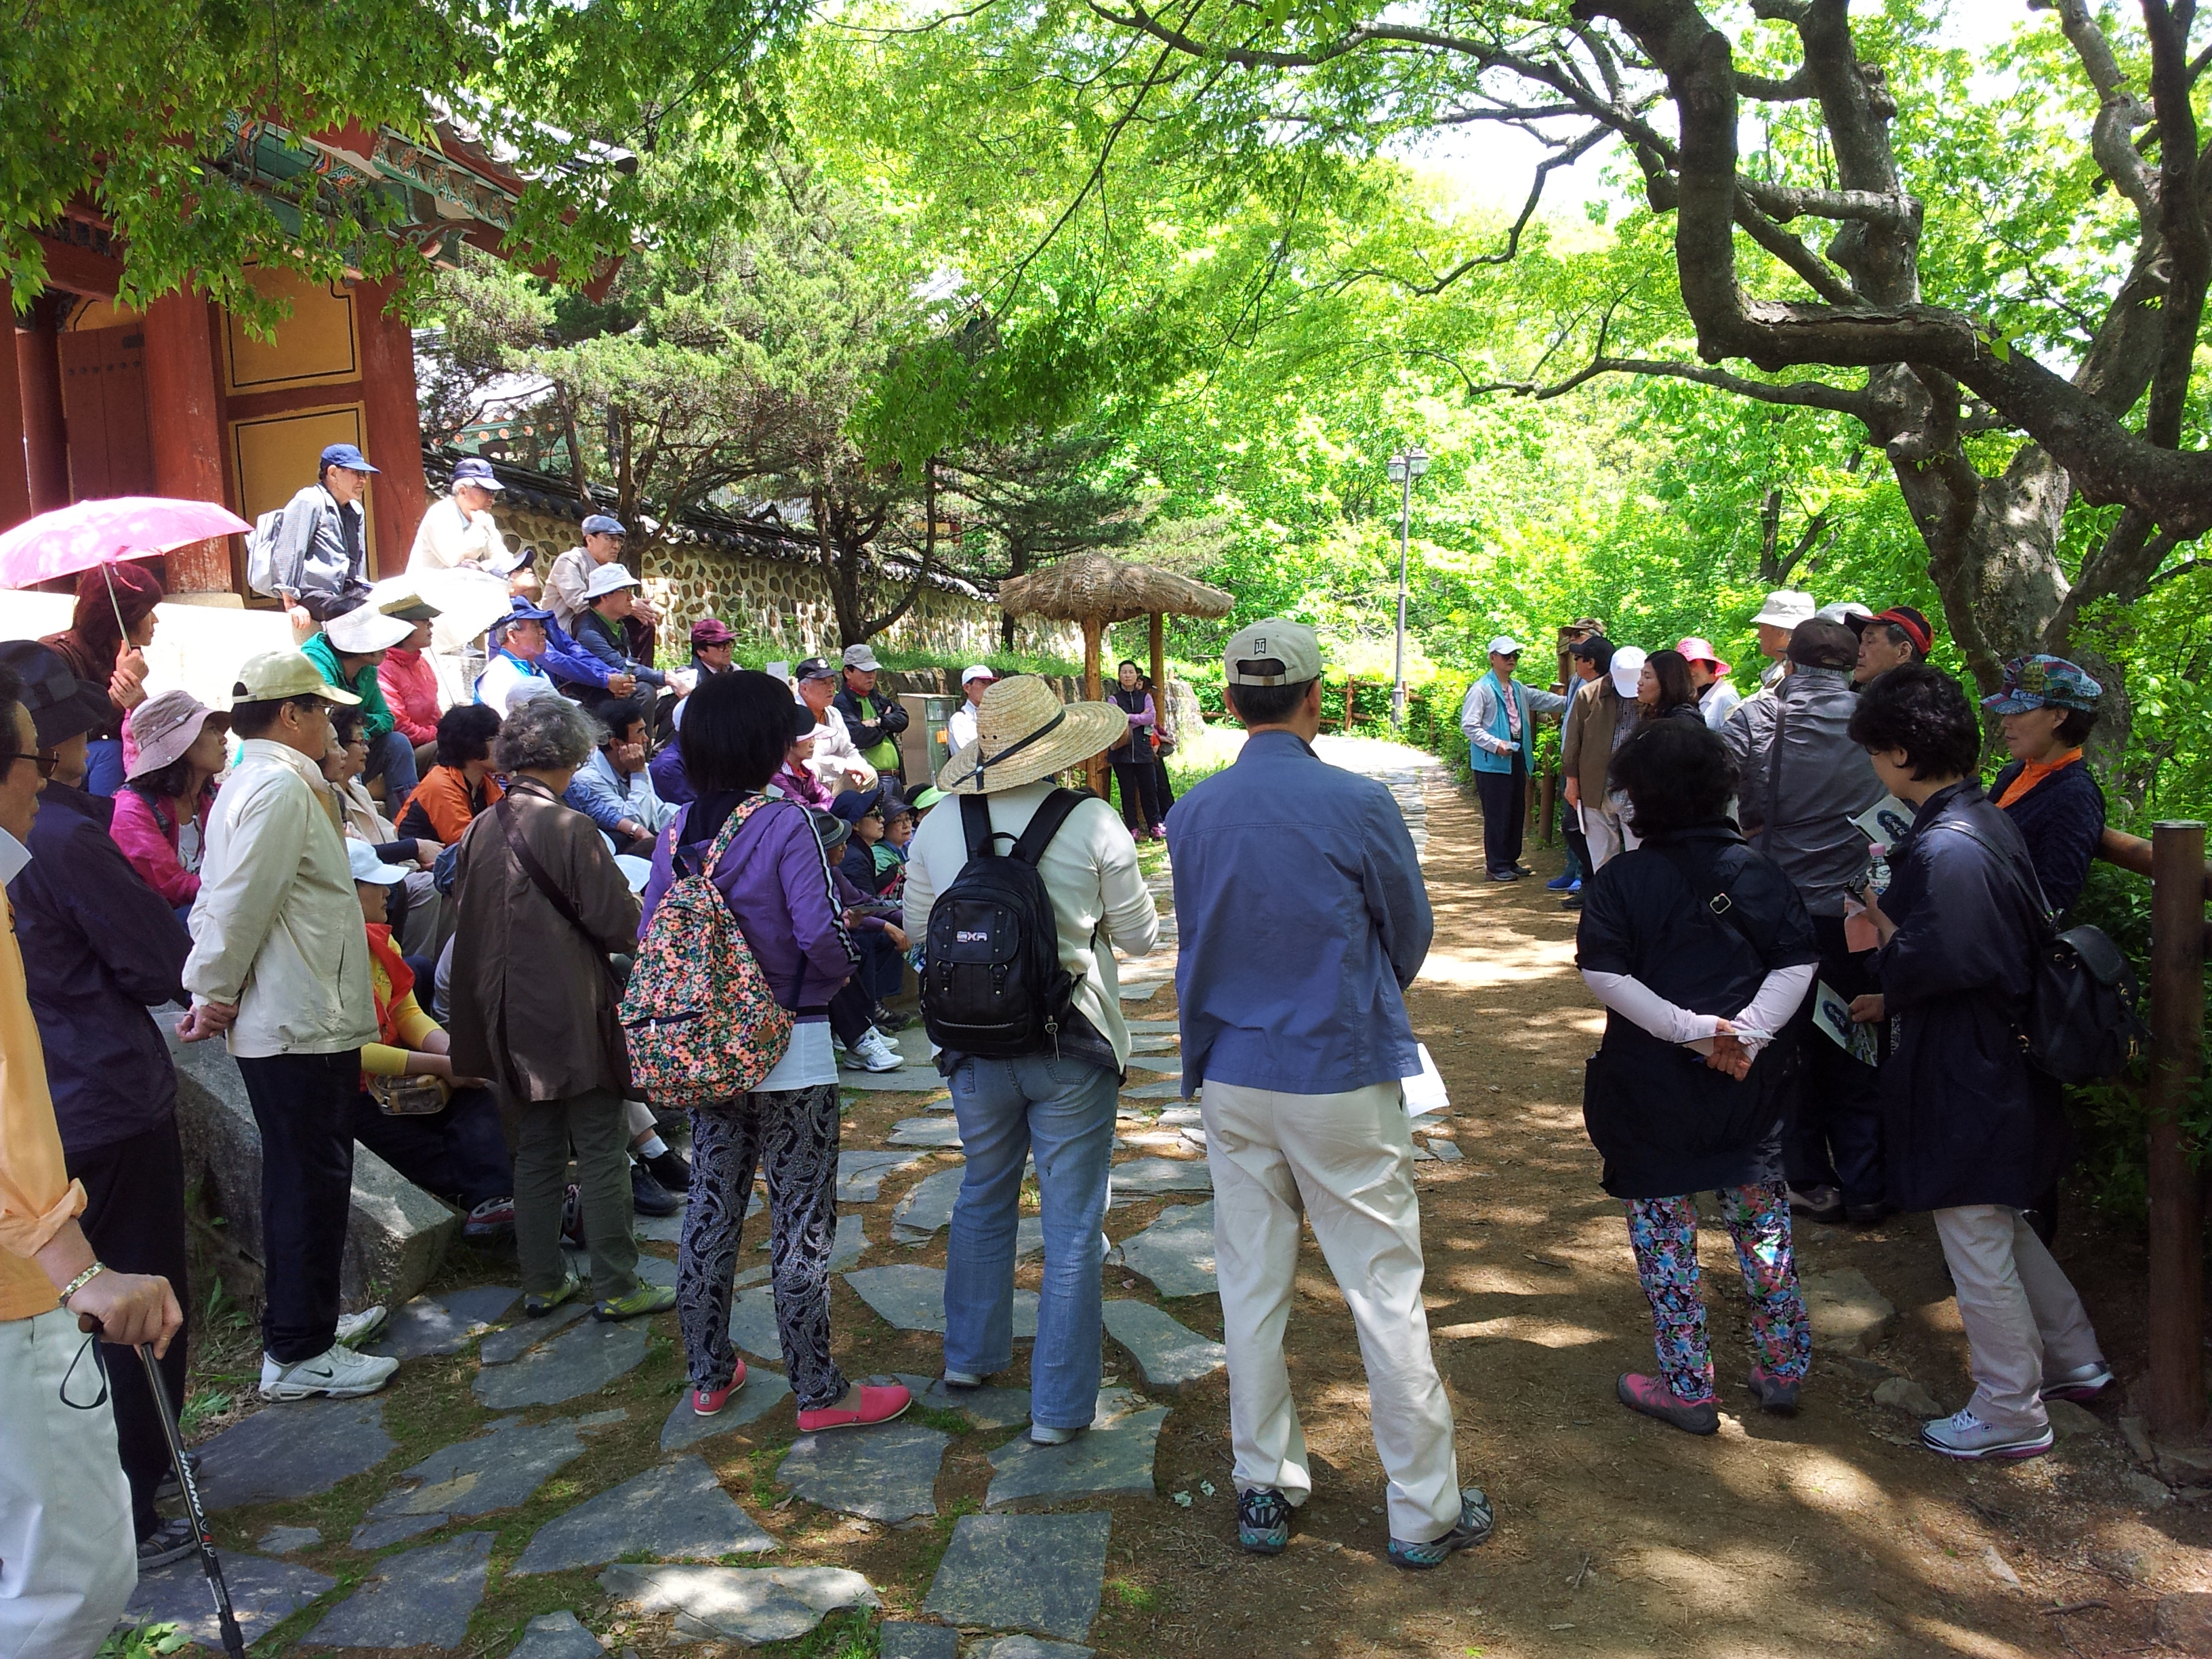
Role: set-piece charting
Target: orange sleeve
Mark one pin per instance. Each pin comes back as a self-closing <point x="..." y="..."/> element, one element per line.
<point x="36" y="1194"/>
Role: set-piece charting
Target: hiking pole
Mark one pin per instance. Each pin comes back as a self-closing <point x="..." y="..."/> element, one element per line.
<point x="234" y="1643"/>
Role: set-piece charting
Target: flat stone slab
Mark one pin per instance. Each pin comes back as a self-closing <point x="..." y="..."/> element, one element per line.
<point x="1847" y="1314"/>
<point x="1029" y="1647"/>
<point x="287" y="1541"/>
<point x="1039" y="1573"/>
<point x="1176" y="1251"/>
<point x="443" y="1324"/>
<point x="1180" y="1116"/>
<point x="1153" y="1043"/>
<point x="763" y="1391"/>
<point x="495" y="1471"/>
<point x="505" y="1347"/>
<point x="1111" y="1459"/>
<point x="423" y="1598"/>
<point x="1156" y="1063"/>
<point x="1444" y="1151"/>
<point x="1173" y="1025"/>
<point x="555" y="1636"/>
<point x="1145" y="1177"/>
<point x="1168" y="1352"/>
<point x="985" y="1408"/>
<point x="578" y="1362"/>
<point x="676" y="1511"/>
<point x="933" y="1131"/>
<point x="263" y="1593"/>
<point x="928" y="1204"/>
<point x="1171" y="1090"/>
<point x="1144" y="993"/>
<point x="905" y="1080"/>
<point x="860" y="1175"/>
<point x="911" y="1297"/>
<point x="752" y="1324"/>
<point x="747" y="1605"/>
<point x="886" y="1473"/>
<point x="905" y="1638"/>
<point x="298" y="1449"/>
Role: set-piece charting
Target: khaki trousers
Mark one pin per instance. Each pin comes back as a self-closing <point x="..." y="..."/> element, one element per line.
<point x="1347" y="1160"/>
<point x="1603" y="834"/>
<point x="2024" y="1321"/>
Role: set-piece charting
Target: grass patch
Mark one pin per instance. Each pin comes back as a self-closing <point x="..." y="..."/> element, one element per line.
<point x="937" y="1417"/>
<point x="852" y="1634"/>
<point x="1142" y="1598"/>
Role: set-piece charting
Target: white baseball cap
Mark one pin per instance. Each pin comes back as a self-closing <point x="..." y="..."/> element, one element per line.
<point x="975" y="671"/>
<point x="1785" y="608"/>
<point x="365" y="630"/>
<point x="367" y="867"/>
<point x="1627" y="666"/>
<point x="1504" y="646"/>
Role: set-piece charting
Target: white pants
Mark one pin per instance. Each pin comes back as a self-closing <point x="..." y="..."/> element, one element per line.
<point x="1348" y="1159"/>
<point x="2024" y="1321"/>
<point x="1603" y="834"/>
<point x="69" y="1559"/>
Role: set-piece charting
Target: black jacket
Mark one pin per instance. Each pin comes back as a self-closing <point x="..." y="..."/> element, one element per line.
<point x="871" y="718"/>
<point x="2062" y="820"/>
<point x="1666" y="1122"/>
<point x="1965" y="1118"/>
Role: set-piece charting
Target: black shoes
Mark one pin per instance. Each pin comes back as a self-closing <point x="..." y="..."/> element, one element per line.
<point x="669" y="1170"/>
<point x="648" y="1196"/>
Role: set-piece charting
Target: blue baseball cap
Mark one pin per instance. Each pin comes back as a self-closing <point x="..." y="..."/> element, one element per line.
<point x="854" y="804"/>
<point x="348" y="456"/>
<point x="475" y="469"/>
<point x="520" y="610"/>
<point x="603" y="523"/>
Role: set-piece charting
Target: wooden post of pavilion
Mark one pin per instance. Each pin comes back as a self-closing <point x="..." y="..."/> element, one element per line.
<point x="1095" y="590"/>
<point x="2177" y="1199"/>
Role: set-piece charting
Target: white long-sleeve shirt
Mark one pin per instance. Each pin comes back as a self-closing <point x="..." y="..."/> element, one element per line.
<point x="448" y="537"/>
<point x="1778" y="997"/>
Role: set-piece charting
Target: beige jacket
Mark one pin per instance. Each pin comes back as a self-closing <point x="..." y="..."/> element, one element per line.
<point x="1586" y="741"/>
<point x="1089" y="868"/>
<point x="276" y="928"/>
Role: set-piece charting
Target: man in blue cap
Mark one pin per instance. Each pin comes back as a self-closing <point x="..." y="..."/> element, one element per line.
<point x="321" y="557"/>
<point x="459" y="528"/>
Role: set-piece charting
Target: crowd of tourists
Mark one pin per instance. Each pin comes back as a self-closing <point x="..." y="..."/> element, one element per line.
<point x="510" y="940"/>
<point x="1814" y="931"/>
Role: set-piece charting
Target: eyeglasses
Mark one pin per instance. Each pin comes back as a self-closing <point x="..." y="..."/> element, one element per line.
<point x="46" y="764"/>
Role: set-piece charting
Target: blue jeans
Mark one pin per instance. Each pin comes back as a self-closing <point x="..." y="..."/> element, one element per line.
<point x="392" y="756"/>
<point x="1063" y="1110"/>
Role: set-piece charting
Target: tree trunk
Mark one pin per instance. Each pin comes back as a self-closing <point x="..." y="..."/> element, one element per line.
<point x="1094" y="692"/>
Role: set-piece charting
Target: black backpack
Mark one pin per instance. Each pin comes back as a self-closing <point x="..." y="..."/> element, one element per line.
<point x="992" y="982"/>
<point x="2082" y="1026"/>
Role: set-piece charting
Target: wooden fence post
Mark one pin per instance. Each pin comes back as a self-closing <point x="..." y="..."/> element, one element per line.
<point x="2177" y="1205"/>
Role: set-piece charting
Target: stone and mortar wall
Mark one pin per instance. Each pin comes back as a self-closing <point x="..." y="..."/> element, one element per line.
<point x="786" y="601"/>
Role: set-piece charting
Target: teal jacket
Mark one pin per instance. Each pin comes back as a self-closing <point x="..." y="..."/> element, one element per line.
<point x="376" y="713"/>
<point x="1490" y="744"/>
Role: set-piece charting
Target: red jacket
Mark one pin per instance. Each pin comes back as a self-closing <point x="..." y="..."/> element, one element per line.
<point x="411" y="688"/>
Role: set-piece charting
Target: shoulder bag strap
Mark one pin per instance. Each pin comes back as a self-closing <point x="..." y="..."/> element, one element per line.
<point x="2030" y="883"/>
<point x="543" y="883"/>
<point x="1715" y="898"/>
<point x="1051" y="813"/>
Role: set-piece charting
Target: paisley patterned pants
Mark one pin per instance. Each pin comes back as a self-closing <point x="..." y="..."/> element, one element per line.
<point x="1664" y="1232"/>
<point x="792" y="1135"/>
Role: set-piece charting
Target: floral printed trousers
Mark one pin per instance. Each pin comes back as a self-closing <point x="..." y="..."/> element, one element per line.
<point x="1664" y="1232"/>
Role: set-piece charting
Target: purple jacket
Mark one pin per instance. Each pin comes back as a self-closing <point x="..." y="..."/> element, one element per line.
<point x="100" y="946"/>
<point x="776" y="883"/>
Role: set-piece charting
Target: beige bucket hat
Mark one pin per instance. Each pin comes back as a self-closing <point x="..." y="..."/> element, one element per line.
<point x="1025" y="732"/>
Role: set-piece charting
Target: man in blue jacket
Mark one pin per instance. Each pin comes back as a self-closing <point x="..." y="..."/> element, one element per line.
<point x="1304" y="918"/>
<point x="100" y="946"/>
<point x="1499" y="719"/>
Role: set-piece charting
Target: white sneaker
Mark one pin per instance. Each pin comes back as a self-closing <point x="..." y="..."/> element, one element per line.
<point x="874" y="1053"/>
<point x="338" y="1372"/>
<point x="354" y="1329"/>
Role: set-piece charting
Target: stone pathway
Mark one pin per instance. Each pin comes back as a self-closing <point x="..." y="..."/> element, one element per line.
<point x="1039" y="1573"/>
<point x="496" y="1471"/>
<point x="675" y="1512"/>
<point x="887" y="1473"/>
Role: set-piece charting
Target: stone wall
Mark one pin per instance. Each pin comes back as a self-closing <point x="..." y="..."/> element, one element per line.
<point x="786" y="603"/>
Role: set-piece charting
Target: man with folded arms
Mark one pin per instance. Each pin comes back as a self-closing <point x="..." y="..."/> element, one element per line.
<point x="1303" y="919"/>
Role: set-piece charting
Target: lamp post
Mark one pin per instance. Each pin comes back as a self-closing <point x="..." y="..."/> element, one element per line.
<point x="1404" y="467"/>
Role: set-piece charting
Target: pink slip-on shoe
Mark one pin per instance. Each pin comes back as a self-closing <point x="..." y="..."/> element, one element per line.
<point x="1652" y="1397"/>
<point x="705" y="1402"/>
<point x="880" y="1403"/>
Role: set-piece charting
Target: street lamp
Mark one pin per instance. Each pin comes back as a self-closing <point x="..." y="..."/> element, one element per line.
<point x="1404" y="467"/>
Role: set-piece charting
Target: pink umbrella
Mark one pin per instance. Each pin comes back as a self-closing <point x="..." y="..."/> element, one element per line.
<point x="87" y="533"/>
<point x="84" y="534"/>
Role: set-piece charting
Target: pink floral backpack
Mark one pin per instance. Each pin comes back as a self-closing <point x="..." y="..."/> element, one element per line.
<point x="702" y="1025"/>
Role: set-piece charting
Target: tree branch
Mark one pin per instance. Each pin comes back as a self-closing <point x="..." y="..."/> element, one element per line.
<point x="1798" y="394"/>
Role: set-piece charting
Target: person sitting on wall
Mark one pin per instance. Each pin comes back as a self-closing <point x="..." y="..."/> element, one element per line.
<point x="610" y="598"/>
<point x="458" y="529"/>
<point x="532" y="656"/>
<point x="566" y="582"/>
<point x="321" y="554"/>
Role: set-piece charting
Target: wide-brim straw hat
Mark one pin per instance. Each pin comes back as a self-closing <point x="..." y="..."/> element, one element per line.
<point x="1025" y="732"/>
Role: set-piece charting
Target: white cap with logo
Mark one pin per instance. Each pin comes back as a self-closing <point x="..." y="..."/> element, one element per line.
<point x="1276" y="640"/>
<point x="1504" y="646"/>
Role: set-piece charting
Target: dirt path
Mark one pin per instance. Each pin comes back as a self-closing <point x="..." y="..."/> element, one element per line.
<point x="1828" y="1533"/>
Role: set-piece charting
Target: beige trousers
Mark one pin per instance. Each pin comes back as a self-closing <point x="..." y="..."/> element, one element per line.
<point x="2024" y="1321"/>
<point x="1603" y="834"/>
<point x="1347" y="1160"/>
